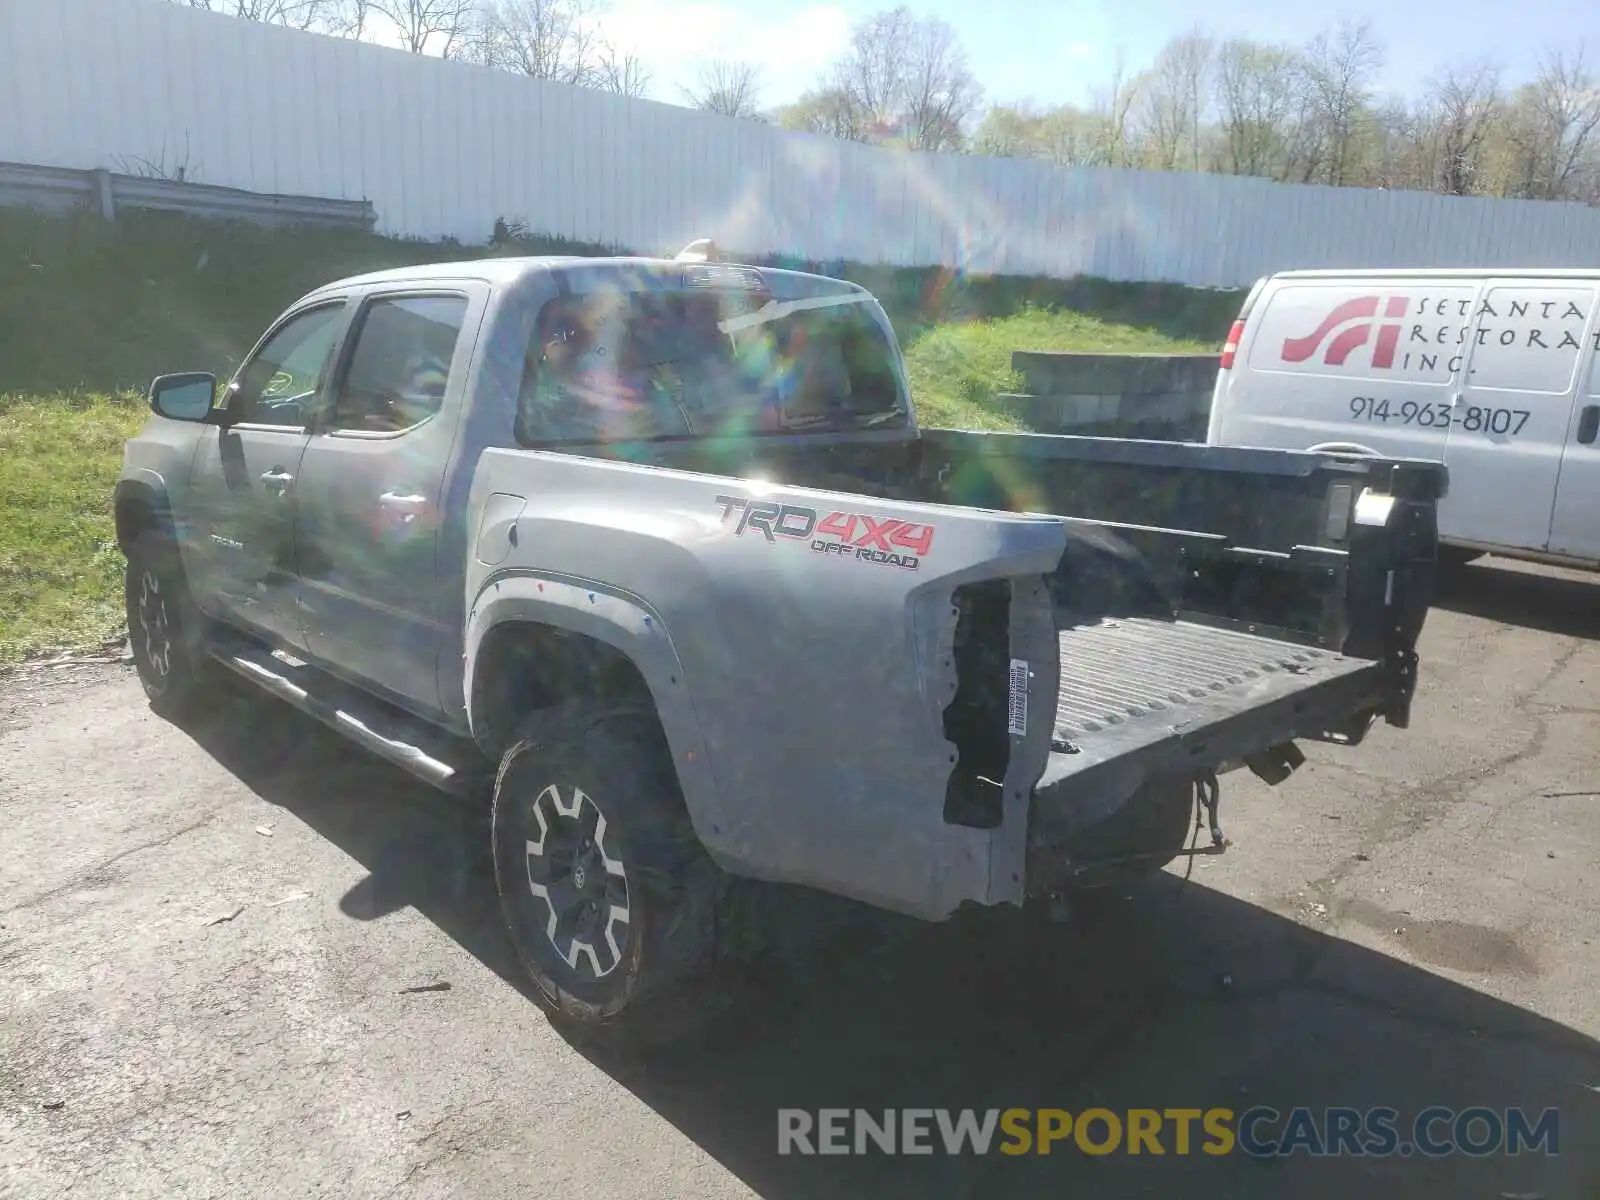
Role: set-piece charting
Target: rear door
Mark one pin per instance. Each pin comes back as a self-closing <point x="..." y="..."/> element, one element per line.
<point x="1512" y="411"/>
<point x="368" y="519"/>
<point x="1575" y="527"/>
<point x="1350" y="364"/>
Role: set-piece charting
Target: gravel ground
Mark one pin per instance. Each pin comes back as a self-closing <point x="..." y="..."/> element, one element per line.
<point x="244" y="960"/>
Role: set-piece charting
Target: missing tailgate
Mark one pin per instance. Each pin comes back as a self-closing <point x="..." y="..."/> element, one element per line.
<point x="978" y="718"/>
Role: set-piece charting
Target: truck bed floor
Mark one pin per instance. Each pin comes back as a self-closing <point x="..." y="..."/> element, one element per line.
<point x="1134" y="684"/>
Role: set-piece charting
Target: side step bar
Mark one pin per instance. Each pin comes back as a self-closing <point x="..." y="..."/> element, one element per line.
<point x="430" y="754"/>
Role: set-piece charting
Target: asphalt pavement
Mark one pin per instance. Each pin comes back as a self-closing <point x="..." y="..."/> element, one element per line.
<point x="244" y="959"/>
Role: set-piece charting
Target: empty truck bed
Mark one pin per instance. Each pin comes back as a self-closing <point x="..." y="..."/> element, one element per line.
<point x="1177" y="698"/>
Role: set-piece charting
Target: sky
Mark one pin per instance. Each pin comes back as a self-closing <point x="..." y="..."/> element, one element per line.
<point x="1057" y="51"/>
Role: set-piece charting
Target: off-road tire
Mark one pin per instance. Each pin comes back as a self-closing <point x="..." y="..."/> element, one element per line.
<point x="164" y="628"/>
<point x="587" y="810"/>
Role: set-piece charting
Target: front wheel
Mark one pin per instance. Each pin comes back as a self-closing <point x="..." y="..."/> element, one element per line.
<point x="607" y="894"/>
<point x="161" y="621"/>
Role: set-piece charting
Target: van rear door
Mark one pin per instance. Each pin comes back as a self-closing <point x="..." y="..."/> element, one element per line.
<point x="1358" y="364"/>
<point x="1514" y="407"/>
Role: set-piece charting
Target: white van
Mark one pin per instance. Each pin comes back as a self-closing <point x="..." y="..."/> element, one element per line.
<point x="1493" y="372"/>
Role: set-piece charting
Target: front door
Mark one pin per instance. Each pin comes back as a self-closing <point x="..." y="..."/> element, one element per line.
<point x="1512" y="411"/>
<point x="240" y="555"/>
<point x="370" y="485"/>
<point x="1575" y="527"/>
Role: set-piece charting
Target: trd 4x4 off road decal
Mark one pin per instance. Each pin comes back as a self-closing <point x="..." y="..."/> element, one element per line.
<point x="888" y="541"/>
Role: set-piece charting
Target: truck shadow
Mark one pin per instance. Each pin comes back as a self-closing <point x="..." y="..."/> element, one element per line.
<point x="1171" y="995"/>
<point x="1566" y="603"/>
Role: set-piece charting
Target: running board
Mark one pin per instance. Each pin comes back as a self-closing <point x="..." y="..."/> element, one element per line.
<point x="410" y="744"/>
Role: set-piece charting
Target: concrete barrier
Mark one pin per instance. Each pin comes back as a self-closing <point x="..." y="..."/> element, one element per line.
<point x="1161" y="396"/>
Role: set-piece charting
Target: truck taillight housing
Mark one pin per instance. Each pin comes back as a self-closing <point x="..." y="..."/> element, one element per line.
<point x="1231" y="346"/>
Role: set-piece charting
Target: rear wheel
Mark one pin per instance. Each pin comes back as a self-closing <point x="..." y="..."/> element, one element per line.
<point x="163" y="626"/>
<point x="607" y="894"/>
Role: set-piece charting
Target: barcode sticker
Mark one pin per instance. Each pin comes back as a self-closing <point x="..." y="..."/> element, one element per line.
<point x="1018" y="706"/>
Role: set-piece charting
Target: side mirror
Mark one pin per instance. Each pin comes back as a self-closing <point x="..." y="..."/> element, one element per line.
<point x="185" y="397"/>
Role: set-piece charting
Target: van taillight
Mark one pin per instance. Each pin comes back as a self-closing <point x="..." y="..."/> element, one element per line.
<point x="1231" y="346"/>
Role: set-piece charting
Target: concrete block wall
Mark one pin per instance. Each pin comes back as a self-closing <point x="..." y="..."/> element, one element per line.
<point x="1162" y="396"/>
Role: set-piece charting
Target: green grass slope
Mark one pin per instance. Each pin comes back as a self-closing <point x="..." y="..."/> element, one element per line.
<point x="956" y="369"/>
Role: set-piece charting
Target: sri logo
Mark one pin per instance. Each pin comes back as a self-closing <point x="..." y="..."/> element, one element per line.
<point x="1349" y="326"/>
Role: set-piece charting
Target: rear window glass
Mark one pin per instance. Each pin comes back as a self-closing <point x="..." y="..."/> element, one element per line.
<point x="1529" y="337"/>
<point x="624" y="366"/>
<point x="1399" y="332"/>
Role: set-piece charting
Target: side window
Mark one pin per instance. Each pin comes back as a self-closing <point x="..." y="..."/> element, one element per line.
<point x="400" y="365"/>
<point x="1530" y="339"/>
<point x="278" y="385"/>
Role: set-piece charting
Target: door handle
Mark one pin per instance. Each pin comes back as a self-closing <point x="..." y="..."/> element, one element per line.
<point x="278" y="479"/>
<point x="1589" y="424"/>
<point x="407" y="502"/>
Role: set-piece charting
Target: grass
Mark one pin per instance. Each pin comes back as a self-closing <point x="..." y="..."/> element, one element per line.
<point x="60" y="570"/>
<point x="89" y="312"/>
<point x="956" y="369"/>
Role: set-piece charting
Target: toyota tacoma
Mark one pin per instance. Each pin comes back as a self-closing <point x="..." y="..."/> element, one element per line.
<point x="659" y="548"/>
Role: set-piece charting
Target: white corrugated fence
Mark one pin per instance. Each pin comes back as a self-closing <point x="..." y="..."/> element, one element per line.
<point x="443" y="149"/>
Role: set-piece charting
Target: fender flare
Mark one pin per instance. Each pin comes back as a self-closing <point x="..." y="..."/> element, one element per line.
<point x="144" y="488"/>
<point x="627" y="624"/>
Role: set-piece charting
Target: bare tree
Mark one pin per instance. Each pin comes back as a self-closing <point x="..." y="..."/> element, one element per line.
<point x="731" y="87"/>
<point x="543" y="39"/>
<point x="1173" y="101"/>
<point x="908" y="74"/>
<point x="1405" y="153"/>
<point x="1555" y="130"/>
<point x="1256" y="91"/>
<point x="1464" y="104"/>
<point x="622" y="74"/>
<point x="347" y="18"/>
<point x="943" y="95"/>
<point x="1340" y="67"/>
<point x="1111" y="108"/>
<point x="297" y="14"/>
<point x="446" y="25"/>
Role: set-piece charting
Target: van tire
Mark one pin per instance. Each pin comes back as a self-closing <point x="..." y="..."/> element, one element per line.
<point x="625" y="861"/>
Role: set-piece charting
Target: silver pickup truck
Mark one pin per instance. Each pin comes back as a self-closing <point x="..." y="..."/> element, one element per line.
<point x="659" y="548"/>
